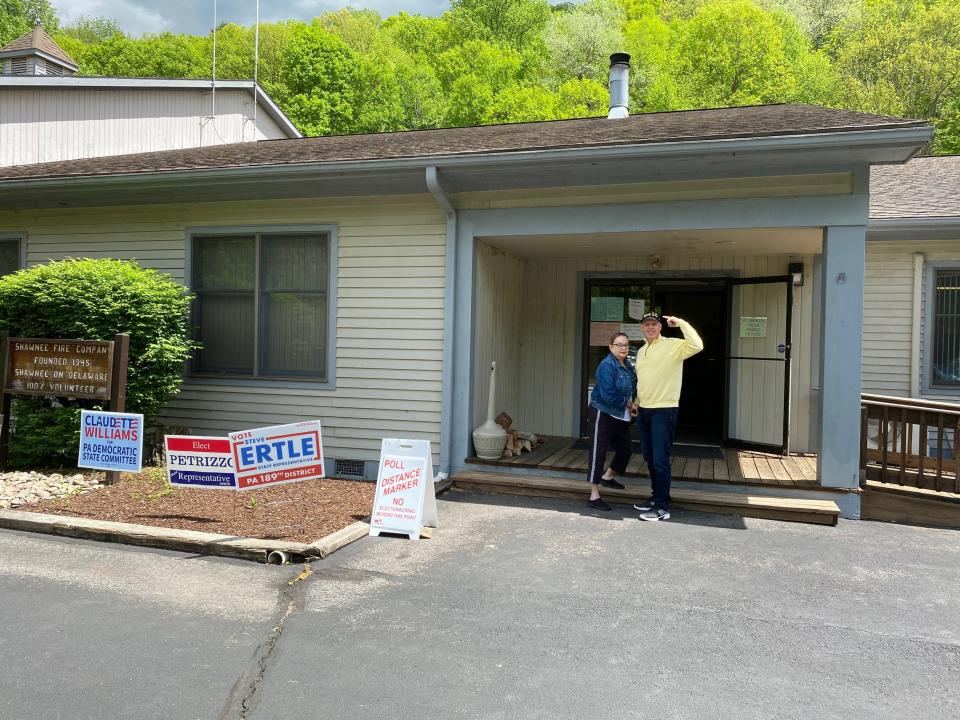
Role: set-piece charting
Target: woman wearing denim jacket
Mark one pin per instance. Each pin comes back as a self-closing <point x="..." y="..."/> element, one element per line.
<point x="611" y="412"/>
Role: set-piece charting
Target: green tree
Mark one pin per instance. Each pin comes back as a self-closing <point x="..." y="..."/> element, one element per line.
<point x="17" y="17"/>
<point x="514" y="23"/>
<point x="319" y="80"/>
<point x="900" y="57"/>
<point x="579" y="42"/>
<point x="733" y="52"/>
<point x="164" y="55"/>
<point x="472" y="75"/>
<point x="92" y="30"/>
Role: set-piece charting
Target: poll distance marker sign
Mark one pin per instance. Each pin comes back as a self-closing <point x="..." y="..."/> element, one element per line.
<point x="276" y="455"/>
<point x="404" y="501"/>
<point x="200" y="462"/>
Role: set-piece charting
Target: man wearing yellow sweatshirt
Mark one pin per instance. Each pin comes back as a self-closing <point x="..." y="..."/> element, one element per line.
<point x="659" y="376"/>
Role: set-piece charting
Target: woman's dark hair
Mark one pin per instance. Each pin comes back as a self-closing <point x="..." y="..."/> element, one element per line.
<point x="613" y="338"/>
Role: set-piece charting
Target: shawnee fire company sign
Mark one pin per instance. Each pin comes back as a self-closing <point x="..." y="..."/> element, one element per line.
<point x="64" y="368"/>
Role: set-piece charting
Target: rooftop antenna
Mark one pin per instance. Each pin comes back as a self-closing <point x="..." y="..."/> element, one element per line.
<point x="256" y="64"/>
<point x="213" y="83"/>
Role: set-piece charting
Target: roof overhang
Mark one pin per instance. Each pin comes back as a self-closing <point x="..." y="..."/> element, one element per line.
<point x="715" y="158"/>
<point x="56" y="82"/>
<point x="932" y="228"/>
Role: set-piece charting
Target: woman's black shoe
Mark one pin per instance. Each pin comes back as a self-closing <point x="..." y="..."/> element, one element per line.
<point x="598" y="504"/>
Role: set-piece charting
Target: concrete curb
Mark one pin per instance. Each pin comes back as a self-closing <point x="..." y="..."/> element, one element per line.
<point x="186" y="540"/>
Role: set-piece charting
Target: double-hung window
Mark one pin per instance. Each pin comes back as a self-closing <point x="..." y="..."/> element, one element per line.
<point x="945" y="328"/>
<point x="261" y="307"/>
<point x="10" y="258"/>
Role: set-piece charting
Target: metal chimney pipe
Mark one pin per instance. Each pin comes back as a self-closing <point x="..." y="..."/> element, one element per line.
<point x="619" y="85"/>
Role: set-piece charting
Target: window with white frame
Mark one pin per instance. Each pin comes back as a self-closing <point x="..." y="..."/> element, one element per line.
<point x="9" y="255"/>
<point x="945" y="328"/>
<point x="261" y="307"/>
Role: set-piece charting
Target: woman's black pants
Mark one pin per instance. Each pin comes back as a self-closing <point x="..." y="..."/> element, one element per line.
<point x="606" y="433"/>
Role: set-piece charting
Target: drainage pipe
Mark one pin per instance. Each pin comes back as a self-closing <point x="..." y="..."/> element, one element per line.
<point x="278" y="557"/>
<point x="449" y="357"/>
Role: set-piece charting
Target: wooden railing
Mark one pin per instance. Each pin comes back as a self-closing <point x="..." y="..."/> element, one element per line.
<point x="910" y="442"/>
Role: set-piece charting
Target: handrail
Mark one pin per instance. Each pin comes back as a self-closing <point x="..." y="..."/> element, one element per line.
<point x="910" y="442"/>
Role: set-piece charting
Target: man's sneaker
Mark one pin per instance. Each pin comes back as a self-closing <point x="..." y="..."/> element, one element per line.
<point x="655" y="515"/>
<point x="644" y="506"/>
<point x="612" y="483"/>
<point x="598" y="504"/>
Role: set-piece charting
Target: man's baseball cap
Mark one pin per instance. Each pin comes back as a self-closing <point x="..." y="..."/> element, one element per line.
<point x="650" y="316"/>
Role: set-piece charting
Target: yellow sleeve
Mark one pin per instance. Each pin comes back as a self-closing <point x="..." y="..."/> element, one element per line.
<point x="691" y="343"/>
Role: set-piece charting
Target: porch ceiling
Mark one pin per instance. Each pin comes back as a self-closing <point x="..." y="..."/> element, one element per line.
<point x="748" y="241"/>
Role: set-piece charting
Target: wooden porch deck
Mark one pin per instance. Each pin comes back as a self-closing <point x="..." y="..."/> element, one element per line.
<point x="738" y="467"/>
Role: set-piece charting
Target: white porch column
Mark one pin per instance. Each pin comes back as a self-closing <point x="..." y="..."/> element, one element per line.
<point x="838" y="463"/>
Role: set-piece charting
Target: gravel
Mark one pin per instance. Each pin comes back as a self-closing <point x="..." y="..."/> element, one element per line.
<point x="21" y="488"/>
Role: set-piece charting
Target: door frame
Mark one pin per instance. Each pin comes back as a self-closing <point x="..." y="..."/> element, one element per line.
<point x="584" y="280"/>
<point x="784" y="447"/>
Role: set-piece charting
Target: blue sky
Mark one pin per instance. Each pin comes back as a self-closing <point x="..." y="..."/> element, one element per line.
<point x="196" y="16"/>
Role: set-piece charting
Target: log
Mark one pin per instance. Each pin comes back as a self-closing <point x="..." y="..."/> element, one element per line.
<point x="504" y="421"/>
<point x="526" y="445"/>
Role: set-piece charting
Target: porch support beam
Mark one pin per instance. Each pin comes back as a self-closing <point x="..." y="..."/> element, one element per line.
<point x="665" y="216"/>
<point x="462" y="368"/>
<point x="840" y="356"/>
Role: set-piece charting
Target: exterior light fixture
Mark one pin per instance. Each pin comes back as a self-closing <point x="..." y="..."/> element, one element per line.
<point x="796" y="271"/>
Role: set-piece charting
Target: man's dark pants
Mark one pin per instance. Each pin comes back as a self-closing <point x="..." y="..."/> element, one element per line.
<point x="656" y="427"/>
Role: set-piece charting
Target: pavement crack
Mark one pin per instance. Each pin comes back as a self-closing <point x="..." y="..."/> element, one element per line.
<point x="244" y="695"/>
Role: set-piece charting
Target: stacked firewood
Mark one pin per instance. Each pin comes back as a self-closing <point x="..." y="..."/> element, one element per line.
<point x="517" y="440"/>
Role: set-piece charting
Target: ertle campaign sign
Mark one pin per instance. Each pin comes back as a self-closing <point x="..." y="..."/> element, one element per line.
<point x="111" y="440"/>
<point x="276" y="455"/>
<point x="200" y="462"/>
<point x="404" y="502"/>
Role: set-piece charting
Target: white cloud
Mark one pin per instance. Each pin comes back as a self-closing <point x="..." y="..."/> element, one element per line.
<point x="196" y="16"/>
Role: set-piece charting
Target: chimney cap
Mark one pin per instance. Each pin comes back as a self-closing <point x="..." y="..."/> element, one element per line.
<point x="620" y="58"/>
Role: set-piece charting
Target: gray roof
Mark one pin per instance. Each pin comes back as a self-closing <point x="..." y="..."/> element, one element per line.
<point x="651" y="128"/>
<point x="925" y="187"/>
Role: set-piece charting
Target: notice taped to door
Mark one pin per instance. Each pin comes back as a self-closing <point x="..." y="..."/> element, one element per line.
<point x="404" y="502"/>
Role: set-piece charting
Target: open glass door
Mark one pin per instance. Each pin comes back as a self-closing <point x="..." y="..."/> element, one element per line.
<point x="758" y="363"/>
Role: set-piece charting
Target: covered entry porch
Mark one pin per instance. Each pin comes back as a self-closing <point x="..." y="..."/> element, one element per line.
<point x="525" y="279"/>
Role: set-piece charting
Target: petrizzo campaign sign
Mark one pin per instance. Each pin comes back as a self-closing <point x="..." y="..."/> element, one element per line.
<point x="404" y="502"/>
<point x="200" y="462"/>
<point x="276" y="455"/>
<point x="111" y="440"/>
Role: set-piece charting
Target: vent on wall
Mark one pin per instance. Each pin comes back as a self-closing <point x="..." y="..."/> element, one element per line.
<point x="348" y="468"/>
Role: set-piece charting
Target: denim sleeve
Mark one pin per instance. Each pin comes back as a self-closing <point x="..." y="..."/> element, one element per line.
<point x="606" y="386"/>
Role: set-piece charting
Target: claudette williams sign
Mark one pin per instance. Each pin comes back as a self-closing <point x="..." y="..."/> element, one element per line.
<point x="63" y="368"/>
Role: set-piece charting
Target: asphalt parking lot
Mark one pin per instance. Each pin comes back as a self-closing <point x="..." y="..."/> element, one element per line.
<point x="517" y="608"/>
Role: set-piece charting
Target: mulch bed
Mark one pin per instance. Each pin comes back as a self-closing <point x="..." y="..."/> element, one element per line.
<point x="302" y="512"/>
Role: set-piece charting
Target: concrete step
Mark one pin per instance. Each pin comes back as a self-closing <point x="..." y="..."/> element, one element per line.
<point x="733" y="502"/>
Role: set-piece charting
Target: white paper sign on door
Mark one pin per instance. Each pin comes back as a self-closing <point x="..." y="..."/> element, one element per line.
<point x="404" y="502"/>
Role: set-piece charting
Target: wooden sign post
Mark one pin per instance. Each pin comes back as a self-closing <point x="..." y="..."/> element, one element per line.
<point x="89" y="369"/>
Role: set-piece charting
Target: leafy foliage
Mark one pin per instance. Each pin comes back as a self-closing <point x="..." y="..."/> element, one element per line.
<point x="94" y="300"/>
<point x="484" y="61"/>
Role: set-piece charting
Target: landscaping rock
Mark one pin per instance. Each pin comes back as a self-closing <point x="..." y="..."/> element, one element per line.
<point x="22" y="488"/>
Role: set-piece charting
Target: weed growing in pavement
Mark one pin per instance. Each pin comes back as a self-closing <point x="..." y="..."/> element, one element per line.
<point x="252" y="504"/>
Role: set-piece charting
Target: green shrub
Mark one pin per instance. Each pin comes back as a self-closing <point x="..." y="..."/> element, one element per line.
<point x="94" y="300"/>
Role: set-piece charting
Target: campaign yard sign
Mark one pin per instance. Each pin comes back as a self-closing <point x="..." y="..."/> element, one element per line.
<point x="279" y="454"/>
<point x="111" y="440"/>
<point x="200" y="462"/>
<point x="404" y="501"/>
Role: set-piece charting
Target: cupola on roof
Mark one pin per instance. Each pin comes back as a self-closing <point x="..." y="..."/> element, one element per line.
<point x="35" y="53"/>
